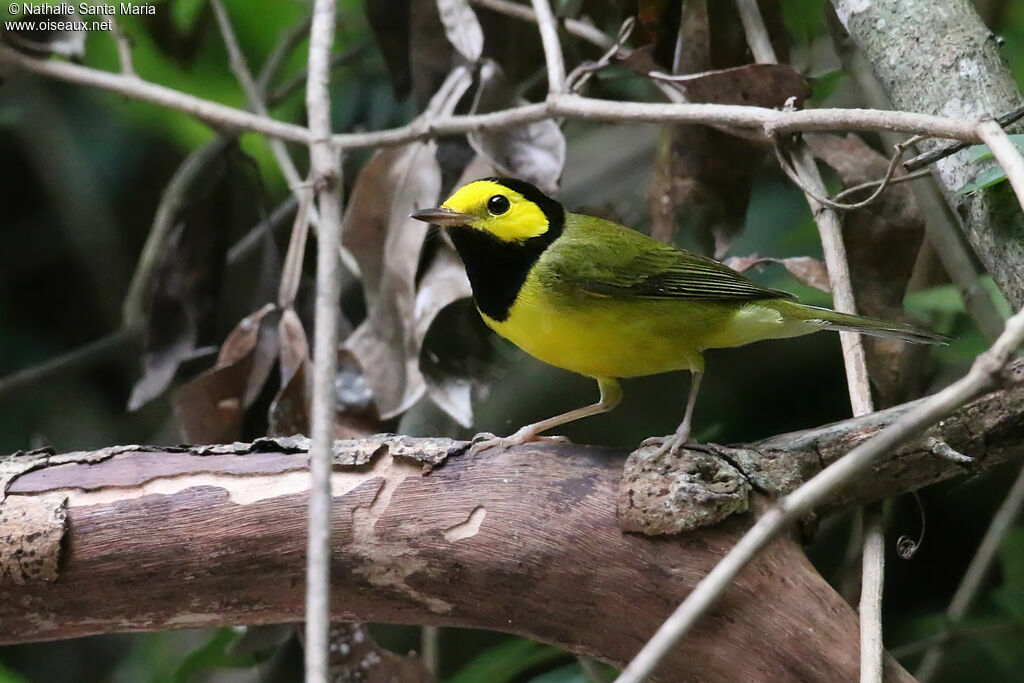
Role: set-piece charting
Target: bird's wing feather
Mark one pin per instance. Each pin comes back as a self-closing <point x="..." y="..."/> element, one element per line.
<point x="609" y="260"/>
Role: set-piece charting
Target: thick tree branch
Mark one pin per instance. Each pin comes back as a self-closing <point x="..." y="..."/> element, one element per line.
<point x="183" y="525"/>
<point x="524" y="541"/>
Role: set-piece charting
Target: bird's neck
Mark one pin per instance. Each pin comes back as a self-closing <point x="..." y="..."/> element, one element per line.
<point x="496" y="269"/>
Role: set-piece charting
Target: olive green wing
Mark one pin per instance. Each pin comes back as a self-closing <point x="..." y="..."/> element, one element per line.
<point x="608" y="260"/>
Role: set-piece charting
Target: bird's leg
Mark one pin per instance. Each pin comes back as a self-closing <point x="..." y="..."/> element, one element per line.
<point x="673" y="443"/>
<point x="611" y="394"/>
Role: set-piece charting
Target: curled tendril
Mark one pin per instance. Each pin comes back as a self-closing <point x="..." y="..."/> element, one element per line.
<point x="906" y="547"/>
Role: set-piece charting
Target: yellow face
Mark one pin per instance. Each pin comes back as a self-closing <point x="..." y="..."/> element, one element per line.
<point x="499" y="210"/>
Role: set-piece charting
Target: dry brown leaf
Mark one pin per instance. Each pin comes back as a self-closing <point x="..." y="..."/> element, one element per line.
<point x="810" y="271"/>
<point x="760" y="85"/>
<point x="462" y="28"/>
<point x="384" y="343"/>
<point x="534" y="152"/>
<point x="365" y="225"/>
<point x="185" y="275"/>
<point x="289" y="411"/>
<point x="389" y="22"/>
<point x="443" y="283"/>
<point x="210" y="407"/>
<point x="702" y="176"/>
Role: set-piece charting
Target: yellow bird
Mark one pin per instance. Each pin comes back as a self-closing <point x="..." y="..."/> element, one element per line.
<point x="597" y="298"/>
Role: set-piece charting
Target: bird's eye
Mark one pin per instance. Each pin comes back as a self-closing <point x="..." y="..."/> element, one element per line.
<point x="498" y="204"/>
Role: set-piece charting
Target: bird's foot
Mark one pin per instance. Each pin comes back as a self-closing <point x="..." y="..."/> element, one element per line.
<point x="485" y="440"/>
<point x="666" y="445"/>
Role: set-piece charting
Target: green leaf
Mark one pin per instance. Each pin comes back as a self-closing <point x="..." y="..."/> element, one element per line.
<point x="941" y="299"/>
<point x="987" y="178"/>
<point x="825" y="84"/>
<point x="185" y="12"/>
<point x="8" y="676"/>
<point x="1011" y="554"/>
<point x="506" y="661"/>
<point x="572" y="673"/>
<point x="976" y="153"/>
<point x="804" y="18"/>
<point x="211" y="655"/>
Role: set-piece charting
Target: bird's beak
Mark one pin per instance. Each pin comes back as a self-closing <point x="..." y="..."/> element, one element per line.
<point x="441" y="216"/>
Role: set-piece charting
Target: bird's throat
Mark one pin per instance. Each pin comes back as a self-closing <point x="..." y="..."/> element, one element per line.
<point x="496" y="269"/>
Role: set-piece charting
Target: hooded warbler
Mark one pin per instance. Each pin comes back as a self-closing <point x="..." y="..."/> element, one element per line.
<point x="597" y="298"/>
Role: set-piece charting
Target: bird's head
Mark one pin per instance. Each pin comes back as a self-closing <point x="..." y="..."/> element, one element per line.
<point x="508" y="209"/>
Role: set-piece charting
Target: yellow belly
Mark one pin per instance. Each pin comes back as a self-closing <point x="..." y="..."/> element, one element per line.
<point x="607" y="337"/>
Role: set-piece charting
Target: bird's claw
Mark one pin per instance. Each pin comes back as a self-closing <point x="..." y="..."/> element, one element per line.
<point x="485" y="440"/>
<point x="666" y="445"/>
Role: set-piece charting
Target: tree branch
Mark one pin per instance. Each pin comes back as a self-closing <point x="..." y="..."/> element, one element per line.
<point x="988" y="371"/>
<point x="524" y="541"/>
<point x="325" y="173"/>
<point x="830" y="230"/>
<point x="935" y="57"/>
<point x="552" y="48"/>
<point x="769" y="121"/>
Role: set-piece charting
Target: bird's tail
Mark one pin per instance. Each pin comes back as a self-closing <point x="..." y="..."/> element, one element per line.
<point x="834" y="320"/>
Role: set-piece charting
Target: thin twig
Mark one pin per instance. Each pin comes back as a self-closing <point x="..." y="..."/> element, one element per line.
<point x="873" y="553"/>
<point x="250" y="240"/>
<point x="240" y="68"/>
<point x="769" y="121"/>
<point x="574" y="27"/>
<point x="214" y="113"/>
<point x="552" y="47"/>
<point x="1012" y="162"/>
<point x="967" y="591"/>
<point x="430" y="651"/>
<point x="298" y="80"/>
<point x="953" y="635"/>
<point x="286" y="43"/>
<point x="73" y="361"/>
<point x="992" y="134"/>
<point x="255" y="98"/>
<point x="872" y="583"/>
<point x="326" y="177"/>
<point x="819" y="195"/>
<point x="987" y="372"/>
<point x="941" y="226"/>
<point x="873" y="184"/>
<point x="805" y="173"/>
<point x="579" y="76"/>
<point x="291" y="271"/>
<point x="930" y="157"/>
<point x="122" y="42"/>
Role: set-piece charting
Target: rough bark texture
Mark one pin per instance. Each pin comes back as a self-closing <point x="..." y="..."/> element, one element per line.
<point x="524" y="540"/>
<point x="936" y="57"/>
<point x="701" y="486"/>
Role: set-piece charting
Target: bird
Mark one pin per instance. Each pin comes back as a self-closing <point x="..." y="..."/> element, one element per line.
<point x="602" y="300"/>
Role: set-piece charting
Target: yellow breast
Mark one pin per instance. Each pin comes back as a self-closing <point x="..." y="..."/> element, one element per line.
<point x="609" y="337"/>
